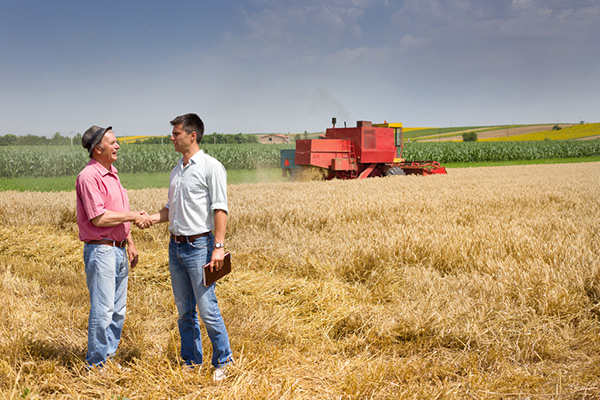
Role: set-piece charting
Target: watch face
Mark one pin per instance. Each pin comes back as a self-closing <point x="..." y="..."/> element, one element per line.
<point x="218" y="245"/>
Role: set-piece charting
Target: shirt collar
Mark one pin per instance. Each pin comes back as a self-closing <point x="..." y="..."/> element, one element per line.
<point x="193" y="159"/>
<point x="103" y="171"/>
<point x="196" y="157"/>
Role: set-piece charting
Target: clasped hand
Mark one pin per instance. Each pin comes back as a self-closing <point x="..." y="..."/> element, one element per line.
<point x="143" y="220"/>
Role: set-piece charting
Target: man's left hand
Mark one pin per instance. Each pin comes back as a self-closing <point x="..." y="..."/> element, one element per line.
<point x="132" y="254"/>
<point x="216" y="262"/>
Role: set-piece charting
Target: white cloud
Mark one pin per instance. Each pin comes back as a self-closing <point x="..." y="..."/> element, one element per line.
<point x="410" y="41"/>
<point x="303" y="24"/>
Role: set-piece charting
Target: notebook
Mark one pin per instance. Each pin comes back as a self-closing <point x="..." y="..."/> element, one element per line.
<point x="212" y="277"/>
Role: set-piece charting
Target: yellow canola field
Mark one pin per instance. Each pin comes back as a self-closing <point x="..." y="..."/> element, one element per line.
<point x="413" y="129"/>
<point x="571" y="132"/>
<point x="131" y="139"/>
<point x="483" y="283"/>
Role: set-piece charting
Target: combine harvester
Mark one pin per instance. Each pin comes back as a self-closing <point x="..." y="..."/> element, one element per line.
<point x="366" y="150"/>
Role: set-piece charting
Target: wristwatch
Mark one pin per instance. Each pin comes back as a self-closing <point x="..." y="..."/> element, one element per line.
<point x="219" y="245"/>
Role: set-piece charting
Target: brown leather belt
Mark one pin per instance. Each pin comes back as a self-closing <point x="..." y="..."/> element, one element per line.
<point x="187" y="239"/>
<point x="109" y="242"/>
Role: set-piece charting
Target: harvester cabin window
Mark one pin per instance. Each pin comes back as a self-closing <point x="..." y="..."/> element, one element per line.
<point x="369" y="141"/>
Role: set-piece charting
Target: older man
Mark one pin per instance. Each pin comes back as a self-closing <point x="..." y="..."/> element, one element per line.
<point x="104" y="220"/>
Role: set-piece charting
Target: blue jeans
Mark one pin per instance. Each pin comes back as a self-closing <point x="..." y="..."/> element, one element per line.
<point x="185" y="264"/>
<point x="107" y="270"/>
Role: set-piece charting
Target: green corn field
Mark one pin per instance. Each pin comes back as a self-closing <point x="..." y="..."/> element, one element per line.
<point x="446" y="152"/>
<point x="45" y="161"/>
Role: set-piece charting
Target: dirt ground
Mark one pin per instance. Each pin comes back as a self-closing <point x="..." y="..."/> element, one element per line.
<point x="520" y="130"/>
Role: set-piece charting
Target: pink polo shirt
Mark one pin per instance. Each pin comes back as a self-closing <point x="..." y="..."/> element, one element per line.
<point x="99" y="190"/>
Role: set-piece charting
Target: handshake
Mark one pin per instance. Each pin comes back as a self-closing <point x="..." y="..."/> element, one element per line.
<point x="143" y="220"/>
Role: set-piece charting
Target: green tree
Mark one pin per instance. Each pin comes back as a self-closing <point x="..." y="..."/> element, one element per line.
<point x="32" y="140"/>
<point x="251" y="139"/>
<point x="8" y="140"/>
<point x="469" y="136"/>
<point x="58" y="140"/>
<point x="239" y="138"/>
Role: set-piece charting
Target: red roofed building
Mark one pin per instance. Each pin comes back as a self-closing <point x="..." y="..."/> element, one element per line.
<point x="273" y="138"/>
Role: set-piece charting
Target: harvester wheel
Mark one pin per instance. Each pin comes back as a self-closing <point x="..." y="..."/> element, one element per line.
<point x="394" y="171"/>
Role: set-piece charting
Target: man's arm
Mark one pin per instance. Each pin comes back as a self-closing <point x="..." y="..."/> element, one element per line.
<point x="132" y="253"/>
<point x="216" y="262"/>
<point x="114" y="218"/>
<point x="160" y="217"/>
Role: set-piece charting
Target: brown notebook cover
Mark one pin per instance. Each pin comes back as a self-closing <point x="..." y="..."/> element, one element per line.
<point x="212" y="277"/>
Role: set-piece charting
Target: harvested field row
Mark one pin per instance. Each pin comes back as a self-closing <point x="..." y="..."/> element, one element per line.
<point x="483" y="283"/>
<point x="503" y="132"/>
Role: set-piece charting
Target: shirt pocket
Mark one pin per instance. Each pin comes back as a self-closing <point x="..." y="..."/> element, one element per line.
<point x="194" y="190"/>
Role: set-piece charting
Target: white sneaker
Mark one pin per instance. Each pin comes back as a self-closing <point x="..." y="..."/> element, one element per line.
<point x="121" y="368"/>
<point x="219" y="374"/>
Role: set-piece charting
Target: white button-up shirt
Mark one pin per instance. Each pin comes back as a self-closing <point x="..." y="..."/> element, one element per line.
<point x="195" y="192"/>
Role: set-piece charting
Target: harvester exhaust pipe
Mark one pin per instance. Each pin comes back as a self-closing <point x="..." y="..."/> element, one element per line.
<point x="333" y="121"/>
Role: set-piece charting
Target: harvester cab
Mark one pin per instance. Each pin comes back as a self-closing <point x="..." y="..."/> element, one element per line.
<point x="366" y="150"/>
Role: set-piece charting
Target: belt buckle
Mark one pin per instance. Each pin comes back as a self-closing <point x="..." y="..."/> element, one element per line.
<point x="177" y="238"/>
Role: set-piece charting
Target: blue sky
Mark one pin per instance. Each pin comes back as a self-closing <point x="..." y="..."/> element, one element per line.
<point x="288" y="66"/>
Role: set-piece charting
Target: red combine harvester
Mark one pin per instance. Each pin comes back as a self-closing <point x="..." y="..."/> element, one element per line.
<point x="359" y="152"/>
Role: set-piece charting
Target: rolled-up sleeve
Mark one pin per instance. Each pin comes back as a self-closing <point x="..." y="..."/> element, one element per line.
<point x="217" y="183"/>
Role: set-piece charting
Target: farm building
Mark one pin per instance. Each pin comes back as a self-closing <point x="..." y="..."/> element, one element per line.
<point x="273" y="138"/>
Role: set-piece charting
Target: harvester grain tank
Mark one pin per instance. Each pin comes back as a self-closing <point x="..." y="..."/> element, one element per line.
<point x="366" y="150"/>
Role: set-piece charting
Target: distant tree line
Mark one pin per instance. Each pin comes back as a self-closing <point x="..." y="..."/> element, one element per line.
<point x="220" y="138"/>
<point x="34" y="140"/>
<point x="58" y="139"/>
<point x="214" y="138"/>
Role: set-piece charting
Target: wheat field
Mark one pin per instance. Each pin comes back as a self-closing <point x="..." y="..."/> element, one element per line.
<point x="480" y="284"/>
